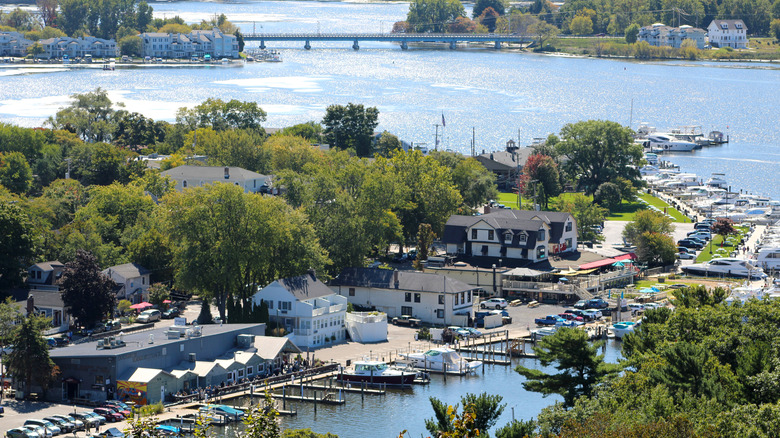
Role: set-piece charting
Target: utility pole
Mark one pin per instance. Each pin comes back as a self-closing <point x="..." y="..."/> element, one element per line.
<point x="473" y="141"/>
<point x="436" y="137"/>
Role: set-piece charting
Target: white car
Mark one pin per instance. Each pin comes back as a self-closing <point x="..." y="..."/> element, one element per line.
<point x="685" y="256"/>
<point x="148" y="316"/>
<point x="494" y="303"/>
<point x="726" y="267"/>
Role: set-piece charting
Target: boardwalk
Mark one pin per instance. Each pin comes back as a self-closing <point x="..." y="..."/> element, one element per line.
<point x="403" y="38"/>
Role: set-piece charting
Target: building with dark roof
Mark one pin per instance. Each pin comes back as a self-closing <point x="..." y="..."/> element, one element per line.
<point x="307" y="308"/>
<point x="432" y="298"/>
<point x="510" y="235"/>
<point x="506" y="164"/>
<point x="132" y="281"/>
<point x="197" y="176"/>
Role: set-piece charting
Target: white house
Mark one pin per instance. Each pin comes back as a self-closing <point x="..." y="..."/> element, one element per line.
<point x="198" y="176"/>
<point x="660" y="35"/>
<point x="13" y="44"/>
<point x="728" y="33"/>
<point x="511" y="235"/>
<point x="196" y="43"/>
<point x="310" y="311"/>
<point x="432" y="298"/>
<point x="50" y="305"/>
<point x="132" y="281"/>
<point x="78" y="47"/>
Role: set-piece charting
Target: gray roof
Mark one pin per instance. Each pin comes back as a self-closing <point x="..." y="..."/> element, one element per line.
<point x="47" y="299"/>
<point x="211" y="173"/>
<point x="407" y="280"/>
<point x="730" y="23"/>
<point x="305" y="287"/>
<point x="129" y="270"/>
<point x="48" y="266"/>
<point x="135" y="342"/>
<point x="509" y="220"/>
<point x="507" y="159"/>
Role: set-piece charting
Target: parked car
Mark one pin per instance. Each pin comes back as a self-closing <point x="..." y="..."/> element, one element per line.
<point x="581" y="313"/>
<point x="87" y="419"/>
<point x="113" y="324"/>
<point x="108" y="414"/>
<point x="690" y="243"/>
<point x="474" y="333"/>
<point x="65" y="426"/>
<point x="596" y="314"/>
<point x="636" y="308"/>
<point x="581" y="304"/>
<point x="406" y="320"/>
<point x="571" y="317"/>
<point x="400" y="258"/>
<point x="460" y="332"/>
<point x="148" y="316"/>
<point x="171" y="313"/>
<point x="39" y="431"/>
<point x="684" y="249"/>
<point x="111" y="432"/>
<point x="549" y="320"/>
<point x="685" y="256"/>
<point x="498" y="303"/>
<point x="116" y="408"/>
<point x="597" y="303"/>
<point x="20" y="432"/>
<point x="48" y="425"/>
<point x="78" y="424"/>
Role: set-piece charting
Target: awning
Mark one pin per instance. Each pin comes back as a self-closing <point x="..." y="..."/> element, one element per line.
<point x="140" y="306"/>
<point x="607" y="262"/>
<point x="526" y="272"/>
<point x="573" y="273"/>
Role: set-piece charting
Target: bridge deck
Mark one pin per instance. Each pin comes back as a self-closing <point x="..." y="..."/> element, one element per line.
<point x="392" y="37"/>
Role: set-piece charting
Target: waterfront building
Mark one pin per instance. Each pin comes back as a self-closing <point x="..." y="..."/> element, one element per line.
<point x="13" y="44"/>
<point x="431" y="298"/>
<point x="132" y="281"/>
<point x="728" y="33"/>
<point x="511" y="235"/>
<point x="197" y="176"/>
<point x="661" y="35"/>
<point x="197" y="43"/>
<point x="78" y="47"/>
<point x="506" y="164"/>
<point x="311" y="312"/>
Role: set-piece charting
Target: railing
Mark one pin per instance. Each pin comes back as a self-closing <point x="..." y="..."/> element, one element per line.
<point x="387" y="36"/>
<point x="366" y="317"/>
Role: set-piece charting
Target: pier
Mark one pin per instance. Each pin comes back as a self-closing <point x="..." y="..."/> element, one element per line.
<point x="402" y="38"/>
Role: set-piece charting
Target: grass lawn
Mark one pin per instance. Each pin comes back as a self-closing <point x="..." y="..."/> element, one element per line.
<point x="705" y="256"/>
<point x="508" y="199"/>
<point x="661" y="204"/>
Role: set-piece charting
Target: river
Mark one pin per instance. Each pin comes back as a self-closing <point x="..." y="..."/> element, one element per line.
<point x="502" y="95"/>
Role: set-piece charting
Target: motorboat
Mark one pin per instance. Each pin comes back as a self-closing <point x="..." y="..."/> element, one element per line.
<point x="727" y="267"/>
<point x="769" y="258"/>
<point x="378" y="373"/>
<point x="442" y="359"/>
<point x="621" y="329"/>
<point x="668" y="143"/>
<point x="717" y="180"/>
<point x="538" y="334"/>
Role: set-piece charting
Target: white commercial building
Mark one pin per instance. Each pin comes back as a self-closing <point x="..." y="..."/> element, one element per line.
<point x="78" y="47"/>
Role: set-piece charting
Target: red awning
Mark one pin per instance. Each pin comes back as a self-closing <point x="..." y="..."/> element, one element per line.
<point x="607" y="262"/>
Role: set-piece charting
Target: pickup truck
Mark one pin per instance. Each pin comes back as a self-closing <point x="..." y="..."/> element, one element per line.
<point x="406" y="320"/>
<point x="549" y="320"/>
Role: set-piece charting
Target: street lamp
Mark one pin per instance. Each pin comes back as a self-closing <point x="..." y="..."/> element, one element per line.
<point x="494" y="279"/>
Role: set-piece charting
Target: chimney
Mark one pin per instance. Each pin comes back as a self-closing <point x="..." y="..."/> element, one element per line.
<point x="312" y="273"/>
<point x="395" y="278"/>
<point x="227" y="173"/>
<point x="491" y="155"/>
<point x="30" y="305"/>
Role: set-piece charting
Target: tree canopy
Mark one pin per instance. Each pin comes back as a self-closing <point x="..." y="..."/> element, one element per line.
<point x="29" y="361"/>
<point x="86" y="290"/>
<point x="433" y="15"/>
<point x="351" y="127"/>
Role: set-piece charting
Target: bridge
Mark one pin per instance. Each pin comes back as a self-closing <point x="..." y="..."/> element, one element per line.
<point x="403" y="38"/>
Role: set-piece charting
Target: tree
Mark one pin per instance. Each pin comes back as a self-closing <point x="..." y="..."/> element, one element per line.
<point x="88" y="292"/>
<point x="646" y="221"/>
<point x="387" y="144"/>
<point x="204" y="317"/>
<point x="18" y="244"/>
<point x="35" y="49"/>
<point x="599" y="151"/>
<point x="774" y="27"/>
<point x="586" y="212"/>
<point x="581" y="25"/>
<point x="484" y="408"/>
<point x="240" y="40"/>
<point x="89" y="116"/>
<point x="131" y="45"/>
<point x="15" y="172"/>
<point x="351" y="127"/>
<point x="580" y="366"/>
<point x="517" y="429"/>
<point x="425" y="238"/>
<point x="310" y="131"/>
<point x="159" y="292"/>
<point x="474" y="182"/>
<point x="48" y="11"/>
<point x="261" y="421"/>
<point x="723" y="226"/>
<point x="29" y="361"/>
<point x="540" y="170"/>
<point x="632" y="32"/>
<point x="144" y="16"/>
<point x="480" y="5"/>
<point x="73" y="15"/>
<point x="305" y="433"/>
<point x="433" y="15"/>
<point x="608" y="195"/>
<point x="220" y="115"/>
<point x="488" y="19"/>
<point x="656" y="249"/>
<point x="543" y="31"/>
<point x="463" y="25"/>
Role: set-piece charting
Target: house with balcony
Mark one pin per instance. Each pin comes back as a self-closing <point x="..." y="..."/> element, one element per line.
<point x="309" y="310"/>
<point x="197" y="43"/>
<point x="197" y="176"/>
<point x="132" y="281"/>
<point x="78" y="47"/>
<point x="515" y="237"/>
<point x="13" y="44"/>
<point x="728" y="33"/>
<point x="432" y="298"/>
<point x="660" y="35"/>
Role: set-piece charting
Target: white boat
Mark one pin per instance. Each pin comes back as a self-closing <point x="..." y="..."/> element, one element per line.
<point x="442" y="359"/>
<point x="378" y="373"/>
<point x="769" y="258"/>
<point x="542" y="332"/>
<point x="621" y="329"/>
<point x="717" y="180"/>
<point x="727" y="267"/>
<point x="667" y="143"/>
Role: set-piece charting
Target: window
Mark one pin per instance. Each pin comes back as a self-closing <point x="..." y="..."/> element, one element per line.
<point x="473" y="234"/>
<point x="271" y="304"/>
<point x="508" y="238"/>
<point x="408" y="297"/>
<point x="490" y="234"/>
<point x="440" y="313"/>
<point x="540" y="252"/>
<point x="352" y="291"/>
<point x="541" y="235"/>
<point x="522" y="238"/>
<point x="99" y="380"/>
<point x="441" y="299"/>
<point x="249" y="371"/>
<point x="406" y="310"/>
<point x="568" y="226"/>
<point x="184" y="184"/>
<point x="456" y="300"/>
<point x="463" y="297"/>
<point x="416" y="298"/>
<point x="568" y="243"/>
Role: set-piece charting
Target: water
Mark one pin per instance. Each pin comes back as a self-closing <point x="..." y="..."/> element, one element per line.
<point x="503" y="95"/>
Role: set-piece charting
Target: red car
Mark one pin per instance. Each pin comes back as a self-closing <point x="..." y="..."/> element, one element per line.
<point x="116" y="408"/>
<point x="571" y="317"/>
<point x="109" y="414"/>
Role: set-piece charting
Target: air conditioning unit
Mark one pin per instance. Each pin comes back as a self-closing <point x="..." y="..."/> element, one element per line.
<point x="100" y="344"/>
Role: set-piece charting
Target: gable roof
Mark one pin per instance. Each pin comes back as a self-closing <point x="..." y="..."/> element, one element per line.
<point x="47" y="299"/>
<point x="305" y="287"/>
<point x="505" y="159"/>
<point x="143" y="375"/>
<point x="48" y="266"/>
<point x="731" y="24"/>
<point x="513" y="220"/>
<point x="269" y="347"/>
<point x="128" y="270"/>
<point x="407" y="280"/>
<point x="211" y="173"/>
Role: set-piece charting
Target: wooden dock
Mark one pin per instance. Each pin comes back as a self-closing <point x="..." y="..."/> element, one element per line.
<point x="357" y="388"/>
<point x="328" y="399"/>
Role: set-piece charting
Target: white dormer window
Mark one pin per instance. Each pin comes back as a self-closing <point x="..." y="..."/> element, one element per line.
<point x="508" y="238"/>
<point x="522" y="237"/>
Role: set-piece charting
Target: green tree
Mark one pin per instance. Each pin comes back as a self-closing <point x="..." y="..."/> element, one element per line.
<point x="433" y="15"/>
<point x="517" y="429"/>
<point x="656" y="249"/>
<point x="310" y="131"/>
<point x="351" y="127"/>
<point x="88" y="292"/>
<point x="89" y="115"/>
<point x="49" y="166"/>
<point x="580" y="366"/>
<point x="585" y="211"/>
<point x="159" y="292"/>
<point x="632" y="32"/>
<point x="261" y="420"/>
<point x="305" y="433"/>
<point x="774" y="27"/>
<point x="18" y="244"/>
<point x="131" y="45"/>
<point x="485" y="408"/>
<point x="144" y="15"/>
<point x="29" y="361"/>
<point x="608" y="195"/>
<point x="581" y="25"/>
<point x="543" y="31"/>
<point x="204" y="317"/>
<point x="387" y="144"/>
<point x="647" y="221"/>
<point x="220" y="115"/>
<point x="35" y="49"/>
<point x="691" y="368"/>
<point x="425" y="238"/>
<point x="480" y="5"/>
<point x="724" y="227"/>
<point x="15" y="172"/>
<point x="474" y="182"/>
<point x="599" y="151"/>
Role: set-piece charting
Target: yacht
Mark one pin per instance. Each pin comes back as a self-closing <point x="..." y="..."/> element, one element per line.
<point x="769" y="258"/>
<point x="668" y="143"/>
<point x="726" y="267"/>
<point x="717" y="180"/>
<point x="376" y="372"/>
<point x="443" y="359"/>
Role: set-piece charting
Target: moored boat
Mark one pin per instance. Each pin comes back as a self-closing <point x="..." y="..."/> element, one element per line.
<point x="442" y="359"/>
<point x="621" y="329"/>
<point x="378" y="373"/>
